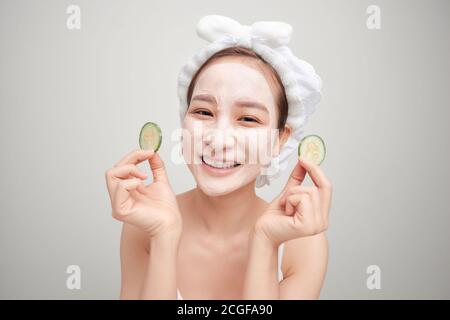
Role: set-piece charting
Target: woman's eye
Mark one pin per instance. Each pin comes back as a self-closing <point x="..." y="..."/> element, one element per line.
<point x="249" y="119"/>
<point x="203" y="112"/>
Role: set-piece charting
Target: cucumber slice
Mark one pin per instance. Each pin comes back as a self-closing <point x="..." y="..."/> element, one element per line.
<point x="313" y="148"/>
<point x="150" y="137"/>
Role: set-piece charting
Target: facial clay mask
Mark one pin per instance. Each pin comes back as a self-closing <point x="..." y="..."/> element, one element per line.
<point x="229" y="126"/>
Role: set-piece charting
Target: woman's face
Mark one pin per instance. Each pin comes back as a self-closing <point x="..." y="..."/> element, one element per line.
<point x="232" y="119"/>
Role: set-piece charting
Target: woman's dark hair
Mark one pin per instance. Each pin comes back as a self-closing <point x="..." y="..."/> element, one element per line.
<point x="269" y="71"/>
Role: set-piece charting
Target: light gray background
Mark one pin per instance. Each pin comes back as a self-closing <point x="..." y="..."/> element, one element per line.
<point x="73" y="102"/>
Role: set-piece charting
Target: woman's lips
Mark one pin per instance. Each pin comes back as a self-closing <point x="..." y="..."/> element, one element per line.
<point x="218" y="172"/>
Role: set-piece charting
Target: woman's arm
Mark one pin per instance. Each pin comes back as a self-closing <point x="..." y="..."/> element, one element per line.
<point x="261" y="279"/>
<point x="160" y="278"/>
<point x="133" y="261"/>
<point x="148" y="274"/>
<point x="298" y="216"/>
<point x="306" y="261"/>
<point x="305" y="265"/>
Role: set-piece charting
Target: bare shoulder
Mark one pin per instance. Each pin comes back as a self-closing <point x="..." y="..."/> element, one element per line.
<point x="184" y="196"/>
<point x="183" y="200"/>
<point x="263" y="203"/>
<point x="305" y="253"/>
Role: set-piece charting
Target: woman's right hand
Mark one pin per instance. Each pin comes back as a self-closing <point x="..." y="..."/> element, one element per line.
<point x="152" y="208"/>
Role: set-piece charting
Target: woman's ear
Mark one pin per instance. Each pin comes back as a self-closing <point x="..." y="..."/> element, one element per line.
<point x="284" y="136"/>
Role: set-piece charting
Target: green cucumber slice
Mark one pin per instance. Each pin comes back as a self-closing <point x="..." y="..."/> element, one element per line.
<point x="150" y="136"/>
<point x="312" y="148"/>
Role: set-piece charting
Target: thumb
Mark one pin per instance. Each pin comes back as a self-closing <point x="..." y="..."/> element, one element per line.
<point x="296" y="178"/>
<point x="158" y="168"/>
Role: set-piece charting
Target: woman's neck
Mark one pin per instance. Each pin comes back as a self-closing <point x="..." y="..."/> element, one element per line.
<point x="228" y="214"/>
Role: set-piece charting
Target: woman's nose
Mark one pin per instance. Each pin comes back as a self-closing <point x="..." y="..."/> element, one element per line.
<point x="225" y="138"/>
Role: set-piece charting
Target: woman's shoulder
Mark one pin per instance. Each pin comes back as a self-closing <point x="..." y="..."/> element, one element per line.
<point x="186" y="194"/>
<point x="183" y="198"/>
<point x="264" y="202"/>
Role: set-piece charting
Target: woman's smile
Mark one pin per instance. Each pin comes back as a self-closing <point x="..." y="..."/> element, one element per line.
<point x="219" y="169"/>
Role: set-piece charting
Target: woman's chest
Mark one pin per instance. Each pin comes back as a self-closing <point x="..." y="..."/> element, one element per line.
<point x="216" y="271"/>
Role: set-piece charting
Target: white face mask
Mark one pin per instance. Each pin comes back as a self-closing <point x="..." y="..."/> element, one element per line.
<point x="226" y="132"/>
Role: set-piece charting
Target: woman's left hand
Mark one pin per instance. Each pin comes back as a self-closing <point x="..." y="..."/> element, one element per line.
<point x="298" y="211"/>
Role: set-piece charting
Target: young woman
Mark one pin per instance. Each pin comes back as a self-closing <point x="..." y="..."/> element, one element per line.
<point x="220" y="240"/>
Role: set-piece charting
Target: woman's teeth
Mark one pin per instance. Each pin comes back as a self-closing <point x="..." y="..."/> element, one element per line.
<point x="219" y="165"/>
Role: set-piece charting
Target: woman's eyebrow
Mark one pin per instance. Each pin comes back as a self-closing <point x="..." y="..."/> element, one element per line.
<point x="239" y="103"/>
<point x="204" y="97"/>
<point x="251" y="104"/>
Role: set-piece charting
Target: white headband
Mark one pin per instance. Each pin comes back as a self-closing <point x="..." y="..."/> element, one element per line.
<point x="269" y="39"/>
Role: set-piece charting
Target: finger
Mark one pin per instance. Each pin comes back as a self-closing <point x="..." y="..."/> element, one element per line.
<point x="297" y="176"/>
<point x="314" y="194"/>
<point x="134" y="157"/>
<point x="316" y="174"/>
<point x="294" y="190"/>
<point x="158" y="168"/>
<point x="290" y="209"/>
<point x="124" y="190"/>
<point x="288" y="192"/>
<point x="292" y="201"/>
<point x="124" y="172"/>
<point x="141" y="189"/>
<point x="302" y="205"/>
